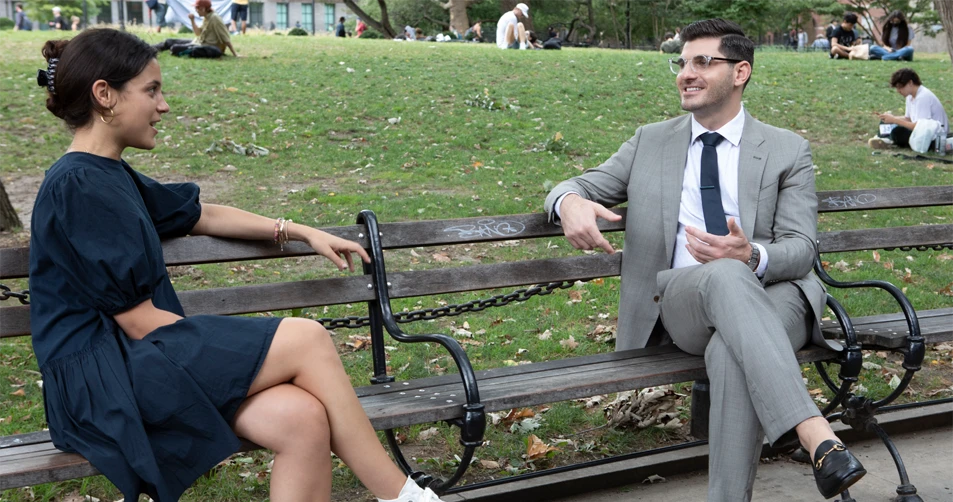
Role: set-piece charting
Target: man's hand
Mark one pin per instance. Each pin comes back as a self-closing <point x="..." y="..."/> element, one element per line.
<point x="578" y="217"/>
<point x="706" y="247"/>
<point x="191" y="17"/>
<point x="888" y="118"/>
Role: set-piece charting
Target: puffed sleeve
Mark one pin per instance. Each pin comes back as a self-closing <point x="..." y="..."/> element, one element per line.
<point x="174" y="207"/>
<point x="96" y="233"/>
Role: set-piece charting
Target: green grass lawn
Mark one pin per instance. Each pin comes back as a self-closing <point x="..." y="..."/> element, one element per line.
<point x="407" y="130"/>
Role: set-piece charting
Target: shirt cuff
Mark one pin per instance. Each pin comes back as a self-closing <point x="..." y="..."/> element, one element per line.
<point x="763" y="264"/>
<point x="559" y="202"/>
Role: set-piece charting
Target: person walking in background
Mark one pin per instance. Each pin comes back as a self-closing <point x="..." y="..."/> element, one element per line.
<point x="720" y="259"/>
<point x="897" y="43"/>
<point x="159" y="9"/>
<point x="361" y="27"/>
<point x="339" y="31"/>
<point x="921" y="104"/>
<point x="510" y="32"/>
<point x="239" y="13"/>
<point x="21" y="23"/>
<point x="58" y="23"/>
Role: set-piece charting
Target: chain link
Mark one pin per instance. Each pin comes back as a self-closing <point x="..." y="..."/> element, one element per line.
<point x="520" y="295"/>
<point x="351" y="322"/>
<point x="23" y="296"/>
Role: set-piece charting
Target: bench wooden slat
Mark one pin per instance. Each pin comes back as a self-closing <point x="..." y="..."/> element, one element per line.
<point x="884" y="238"/>
<point x="889" y="331"/>
<point x="884" y="198"/>
<point x="387" y="410"/>
<point x="14" y="262"/>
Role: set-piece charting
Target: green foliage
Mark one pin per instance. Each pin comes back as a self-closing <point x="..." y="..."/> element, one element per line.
<point x="371" y="34"/>
<point x="42" y="11"/>
<point x="185" y="30"/>
<point x="6" y="23"/>
<point x="298" y="32"/>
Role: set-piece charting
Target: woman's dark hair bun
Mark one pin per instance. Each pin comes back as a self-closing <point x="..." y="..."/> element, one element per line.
<point x="95" y="54"/>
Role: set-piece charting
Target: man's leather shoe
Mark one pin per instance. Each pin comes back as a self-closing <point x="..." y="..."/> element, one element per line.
<point x="835" y="469"/>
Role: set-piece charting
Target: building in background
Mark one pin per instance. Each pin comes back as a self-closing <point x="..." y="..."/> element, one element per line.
<point x="317" y="16"/>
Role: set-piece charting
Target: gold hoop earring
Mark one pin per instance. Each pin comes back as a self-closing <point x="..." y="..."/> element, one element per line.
<point x="112" y="115"/>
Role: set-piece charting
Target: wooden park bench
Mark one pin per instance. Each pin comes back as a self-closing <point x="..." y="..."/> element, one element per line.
<point x="463" y="399"/>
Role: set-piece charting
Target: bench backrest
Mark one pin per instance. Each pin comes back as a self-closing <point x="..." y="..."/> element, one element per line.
<point x="354" y="288"/>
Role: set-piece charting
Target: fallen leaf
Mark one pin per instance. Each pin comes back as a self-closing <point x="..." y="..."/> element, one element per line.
<point x="575" y="295"/>
<point x="441" y="257"/>
<point x="489" y="464"/>
<point x="427" y="434"/>
<point x="19" y="392"/>
<point x="515" y="415"/>
<point x="876" y="256"/>
<point x="536" y="448"/>
<point x="655" y="478"/>
<point x="569" y="343"/>
<point x="545" y="335"/>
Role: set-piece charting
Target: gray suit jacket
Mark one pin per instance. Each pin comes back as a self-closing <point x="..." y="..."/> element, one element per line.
<point x="777" y="203"/>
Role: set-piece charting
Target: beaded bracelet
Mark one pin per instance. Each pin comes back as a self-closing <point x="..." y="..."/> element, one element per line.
<point x="283" y="232"/>
<point x="278" y="223"/>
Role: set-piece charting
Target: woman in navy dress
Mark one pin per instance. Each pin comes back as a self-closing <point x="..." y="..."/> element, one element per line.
<point x="154" y="399"/>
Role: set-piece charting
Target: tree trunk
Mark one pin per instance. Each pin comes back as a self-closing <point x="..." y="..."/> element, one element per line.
<point x="382" y="26"/>
<point x="459" y="20"/>
<point x="8" y="216"/>
<point x="945" y="10"/>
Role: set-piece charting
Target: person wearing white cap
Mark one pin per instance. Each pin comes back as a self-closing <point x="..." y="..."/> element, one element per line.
<point x="58" y="22"/>
<point x="510" y="33"/>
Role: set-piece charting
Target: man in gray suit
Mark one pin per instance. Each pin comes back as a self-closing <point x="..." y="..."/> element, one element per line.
<point x="697" y="187"/>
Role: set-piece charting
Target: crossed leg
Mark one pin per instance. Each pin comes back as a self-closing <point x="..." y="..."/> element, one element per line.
<point x="303" y="383"/>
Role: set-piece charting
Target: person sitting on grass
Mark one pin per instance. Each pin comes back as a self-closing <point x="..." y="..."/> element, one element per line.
<point x="921" y="104"/>
<point x="843" y="39"/>
<point x="897" y="39"/>
<point x="151" y="397"/>
<point x="510" y="32"/>
<point x="211" y="38"/>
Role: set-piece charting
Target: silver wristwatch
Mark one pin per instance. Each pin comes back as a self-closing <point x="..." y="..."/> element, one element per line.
<point x="755" y="258"/>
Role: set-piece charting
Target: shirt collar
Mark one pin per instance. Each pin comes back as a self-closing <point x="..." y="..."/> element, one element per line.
<point x="730" y="131"/>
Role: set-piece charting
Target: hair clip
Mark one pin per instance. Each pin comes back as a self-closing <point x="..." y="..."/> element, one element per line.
<point x="44" y="78"/>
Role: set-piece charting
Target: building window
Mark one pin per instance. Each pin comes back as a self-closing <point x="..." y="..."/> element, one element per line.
<point x="329" y="17"/>
<point x="256" y="16"/>
<point x="282" y="19"/>
<point x="307" y="17"/>
<point x="134" y="12"/>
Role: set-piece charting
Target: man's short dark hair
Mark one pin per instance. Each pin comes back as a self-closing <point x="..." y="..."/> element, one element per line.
<point x="850" y="17"/>
<point x="342" y="19"/>
<point x="904" y="76"/>
<point x="734" y="43"/>
<point x="19" y="5"/>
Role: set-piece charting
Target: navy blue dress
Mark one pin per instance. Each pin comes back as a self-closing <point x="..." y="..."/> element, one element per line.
<point x="153" y="414"/>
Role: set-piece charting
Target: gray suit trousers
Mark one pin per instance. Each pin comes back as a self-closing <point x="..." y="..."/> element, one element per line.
<point x="748" y="334"/>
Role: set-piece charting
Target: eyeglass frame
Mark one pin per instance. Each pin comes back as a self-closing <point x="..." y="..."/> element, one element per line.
<point x="672" y="63"/>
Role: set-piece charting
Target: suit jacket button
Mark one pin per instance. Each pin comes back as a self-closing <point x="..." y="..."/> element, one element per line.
<point x="656" y="299"/>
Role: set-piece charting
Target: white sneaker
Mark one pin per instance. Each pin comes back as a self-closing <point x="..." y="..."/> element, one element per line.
<point x="522" y="46"/>
<point x="413" y="493"/>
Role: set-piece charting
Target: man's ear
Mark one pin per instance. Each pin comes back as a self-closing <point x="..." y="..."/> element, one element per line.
<point x="742" y="72"/>
<point x="104" y="94"/>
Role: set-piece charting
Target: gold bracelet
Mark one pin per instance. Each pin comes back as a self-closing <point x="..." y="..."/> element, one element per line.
<point x="283" y="232"/>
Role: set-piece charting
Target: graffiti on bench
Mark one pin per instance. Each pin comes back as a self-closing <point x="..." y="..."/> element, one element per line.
<point x="487" y="228"/>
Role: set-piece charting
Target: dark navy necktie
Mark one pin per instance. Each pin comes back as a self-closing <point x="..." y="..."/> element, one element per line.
<point x="715" y="222"/>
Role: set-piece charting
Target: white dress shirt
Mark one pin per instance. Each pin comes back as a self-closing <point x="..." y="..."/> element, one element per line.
<point x="690" y="211"/>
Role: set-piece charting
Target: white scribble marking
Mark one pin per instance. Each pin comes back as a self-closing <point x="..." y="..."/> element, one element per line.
<point x="850" y="201"/>
<point x="488" y="228"/>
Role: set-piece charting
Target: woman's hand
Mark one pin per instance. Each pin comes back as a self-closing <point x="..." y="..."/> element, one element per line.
<point x="334" y="248"/>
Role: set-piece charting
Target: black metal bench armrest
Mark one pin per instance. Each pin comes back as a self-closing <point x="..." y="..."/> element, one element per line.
<point x="473" y="424"/>
<point x="915" y="350"/>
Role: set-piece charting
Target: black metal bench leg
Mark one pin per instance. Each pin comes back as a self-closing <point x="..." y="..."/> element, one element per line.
<point x="701" y="407"/>
<point x="906" y="492"/>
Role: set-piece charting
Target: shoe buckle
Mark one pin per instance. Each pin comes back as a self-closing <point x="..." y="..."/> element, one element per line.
<point x="820" y="461"/>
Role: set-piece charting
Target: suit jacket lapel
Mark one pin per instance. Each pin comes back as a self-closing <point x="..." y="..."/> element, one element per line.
<point x="751" y="162"/>
<point x="673" y="174"/>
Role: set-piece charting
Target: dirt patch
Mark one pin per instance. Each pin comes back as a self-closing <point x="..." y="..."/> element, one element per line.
<point x="22" y="189"/>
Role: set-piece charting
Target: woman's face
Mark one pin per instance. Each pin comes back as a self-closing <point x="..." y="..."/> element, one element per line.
<point x="140" y="108"/>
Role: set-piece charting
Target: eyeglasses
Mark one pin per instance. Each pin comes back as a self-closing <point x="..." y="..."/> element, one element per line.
<point x="698" y="63"/>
